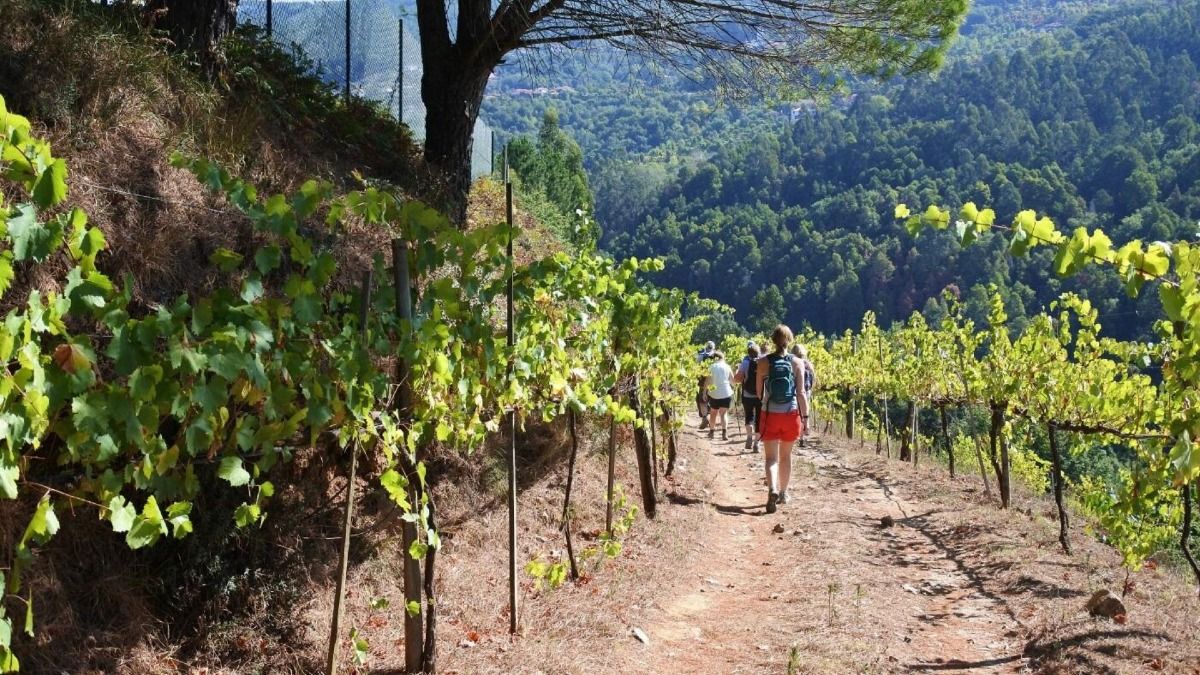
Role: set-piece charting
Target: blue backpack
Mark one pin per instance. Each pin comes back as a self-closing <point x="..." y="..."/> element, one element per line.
<point x="781" y="379"/>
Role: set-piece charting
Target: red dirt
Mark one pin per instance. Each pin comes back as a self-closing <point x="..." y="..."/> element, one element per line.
<point x="954" y="586"/>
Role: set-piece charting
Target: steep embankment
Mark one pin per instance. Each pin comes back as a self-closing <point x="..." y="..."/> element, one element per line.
<point x="820" y="587"/>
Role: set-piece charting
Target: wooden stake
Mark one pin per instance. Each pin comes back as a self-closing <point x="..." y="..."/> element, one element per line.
<point x="344" y="563"/>
<point x="414" y="638"/>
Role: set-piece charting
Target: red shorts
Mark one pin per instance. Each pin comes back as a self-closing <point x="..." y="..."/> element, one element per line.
<point x="784" y="427"/>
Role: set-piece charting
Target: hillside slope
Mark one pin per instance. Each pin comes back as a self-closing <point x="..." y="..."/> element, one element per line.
<point x="115" y="104"/>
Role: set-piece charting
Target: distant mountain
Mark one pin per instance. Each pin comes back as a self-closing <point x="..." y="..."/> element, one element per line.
<point x="1094" y="124"/>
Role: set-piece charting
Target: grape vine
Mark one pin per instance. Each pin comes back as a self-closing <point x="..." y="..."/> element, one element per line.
<point x="108" y="406"/>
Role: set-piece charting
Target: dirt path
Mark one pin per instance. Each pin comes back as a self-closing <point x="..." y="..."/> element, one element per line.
<point x="820" y="583"/>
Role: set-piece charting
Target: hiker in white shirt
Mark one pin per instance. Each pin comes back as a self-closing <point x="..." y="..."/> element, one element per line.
<point x="720" y="393"/>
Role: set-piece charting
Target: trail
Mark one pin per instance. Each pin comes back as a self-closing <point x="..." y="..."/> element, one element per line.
<point x="821" y="583"/>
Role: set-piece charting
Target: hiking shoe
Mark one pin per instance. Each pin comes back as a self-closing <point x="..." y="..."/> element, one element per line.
<point x="704" y="423"/>
<point x="723" y="436"/>
<point x="749" y="442"/>
<point x="785" y="497"/>
<point x="710" y="433"/>
<point x="772" y="499"/>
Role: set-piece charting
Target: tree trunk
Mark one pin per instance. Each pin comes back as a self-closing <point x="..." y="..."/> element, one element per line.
<point x="1064" y="522"/>
<point x="946" y="438"/>
<point x="197" y="25"/>
<point x="641" y="445"/>
<point x="452" y="94"/>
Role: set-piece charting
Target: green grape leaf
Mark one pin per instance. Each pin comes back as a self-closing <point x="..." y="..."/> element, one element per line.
<point x="231" y="469"/>
<point x="179" y="516"/>
<point x="267" y="259"/>
<point x="143" y="382"/>
<point x="938" y="218"/>
<point x="225" y="259"/>
<point x="8" y="660"/>
<point x="965" y="231"/>
<point x="1020" y="242"/>
<point x="247" y="515"/>
<point x="6" y="271"/>
<point x="397" y="488"/>
<point x="50" y="188"/>
<point x="147" y="527"/>
<point x="913" y="225"/>
<point x="969" y="212"/>
<point x="121" y="514"/>
<point x="32" y="240"/>
<point x="9" y="474"/>
<point x="307" y="308"/>
<point x="252" y="288"/>
<point x="43" y="524"/>
<point x="1172" y="301"/>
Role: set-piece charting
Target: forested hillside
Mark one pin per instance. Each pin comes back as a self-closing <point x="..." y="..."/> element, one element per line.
<point x="1095" y="125"/>
<point x="1090" y="120"/>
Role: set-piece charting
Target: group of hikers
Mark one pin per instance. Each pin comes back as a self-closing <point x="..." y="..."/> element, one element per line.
<point x="776" y="380"/>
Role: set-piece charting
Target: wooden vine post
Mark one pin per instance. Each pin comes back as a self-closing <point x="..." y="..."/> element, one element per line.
<point x="906" y="432"/>
<point x="414" y="637"/>
<point x="512" y="417"/>
<point x="672" y="448"/>
<point x="1064" y="523"/>
<point x="612" y="470"/>
<point x="916" y="433"/>
<point x="654" y="438"/>
<point x="946" y="437"/>
<point x="1186" y="495"/>
<point x="641" y="446"/>
<point x="566" y="514"/>
<point x="887" y="423"/>
<point x="850" y="399"/>
<point x="335" y="627"/>
<point x="999" y="452"/>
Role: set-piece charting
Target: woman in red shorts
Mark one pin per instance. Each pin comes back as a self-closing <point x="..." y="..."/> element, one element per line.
<point x="783" y="406"/>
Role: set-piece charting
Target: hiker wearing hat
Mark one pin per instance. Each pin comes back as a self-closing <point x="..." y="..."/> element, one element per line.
<point x="747" y="377"/>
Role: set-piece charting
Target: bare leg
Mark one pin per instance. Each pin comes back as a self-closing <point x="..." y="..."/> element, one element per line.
<point x="771" y="460"/>
<point x="785" y="464"/>
<point x="712" y="419"/>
